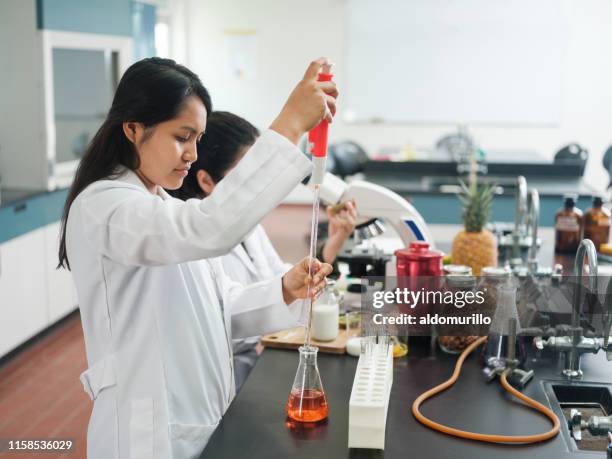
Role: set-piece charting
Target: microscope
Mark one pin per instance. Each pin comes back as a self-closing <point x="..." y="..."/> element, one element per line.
<point x="377" y="207"/>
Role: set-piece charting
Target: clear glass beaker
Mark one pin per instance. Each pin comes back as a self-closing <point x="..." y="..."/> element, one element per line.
<point x="307" y="401"/>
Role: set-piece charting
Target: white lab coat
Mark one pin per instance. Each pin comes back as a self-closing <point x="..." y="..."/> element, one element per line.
<point x="259" y="262"/>
<point x="157" y="334"/>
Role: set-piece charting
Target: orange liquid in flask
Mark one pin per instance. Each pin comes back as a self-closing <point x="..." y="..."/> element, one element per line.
<point x="311" y="408"/>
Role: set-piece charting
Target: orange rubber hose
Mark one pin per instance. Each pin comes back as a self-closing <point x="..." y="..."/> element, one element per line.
<point x="490" y="438"/>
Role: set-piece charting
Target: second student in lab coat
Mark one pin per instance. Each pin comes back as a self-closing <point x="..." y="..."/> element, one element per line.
<point x="227" y="139"/>
<point x="155" y="309"/>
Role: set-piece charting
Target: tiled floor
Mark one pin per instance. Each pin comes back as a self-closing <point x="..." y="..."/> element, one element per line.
<point x="40" y="392"/>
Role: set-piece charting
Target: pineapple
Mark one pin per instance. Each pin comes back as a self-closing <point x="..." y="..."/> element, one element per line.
<point x="475" y="246"/>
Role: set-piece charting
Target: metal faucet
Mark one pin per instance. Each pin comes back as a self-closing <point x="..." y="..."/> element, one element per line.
<point x="586" y="248"/>
<point x="607" y="322"/>
<point x="533" y="217"/>
<point x="520" y="216"/>
<point x="529" y="232"/>
<point x="576" y="344"/>
<point x="596" y="425"/>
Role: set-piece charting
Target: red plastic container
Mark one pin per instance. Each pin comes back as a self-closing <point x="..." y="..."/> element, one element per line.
<point x="418" y="268"/>
<point x="418" y="260"/>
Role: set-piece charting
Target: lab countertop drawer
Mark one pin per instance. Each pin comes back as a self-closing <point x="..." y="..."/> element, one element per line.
<point x="21" y="218"/>
<point x="25" y="215"/>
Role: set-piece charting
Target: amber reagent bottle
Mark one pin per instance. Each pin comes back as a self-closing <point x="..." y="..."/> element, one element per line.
<point x="597" y="223"/>
<point x="568" y="227"/>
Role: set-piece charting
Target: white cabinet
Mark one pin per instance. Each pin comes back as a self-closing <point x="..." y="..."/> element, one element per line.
<point x="61" y="297"/>
<point x="23" y="290"/>
<point x="33" y="294"/>
<point x="51" y="92"/>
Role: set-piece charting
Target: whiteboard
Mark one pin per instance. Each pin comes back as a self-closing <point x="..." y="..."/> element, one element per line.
<point x="458" y="61"/>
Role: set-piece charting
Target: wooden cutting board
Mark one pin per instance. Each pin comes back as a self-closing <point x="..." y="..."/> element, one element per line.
<point x="293" y="338"/>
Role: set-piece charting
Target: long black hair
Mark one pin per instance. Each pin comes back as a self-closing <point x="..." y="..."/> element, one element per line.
<point x="151" y="91"/>
<point x="225" y="137"/>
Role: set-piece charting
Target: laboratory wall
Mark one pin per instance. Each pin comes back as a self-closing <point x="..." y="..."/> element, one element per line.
<point x="92" y="16"/>
<point x="250" y="54"/>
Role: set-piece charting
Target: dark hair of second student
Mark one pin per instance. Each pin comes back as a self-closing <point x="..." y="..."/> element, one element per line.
<point x="224" y="140"/>
<point x="150" y="92"/>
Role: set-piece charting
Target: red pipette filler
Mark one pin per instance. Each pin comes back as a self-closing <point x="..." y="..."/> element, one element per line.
<point x="317" y="137"/>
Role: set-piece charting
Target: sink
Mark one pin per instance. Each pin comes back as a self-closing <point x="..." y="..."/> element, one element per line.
<point x="591" y="399"/>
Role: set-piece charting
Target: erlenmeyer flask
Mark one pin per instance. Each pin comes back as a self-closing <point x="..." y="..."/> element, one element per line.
<point x="496" y="347"/>
<point x="307" y="401"/>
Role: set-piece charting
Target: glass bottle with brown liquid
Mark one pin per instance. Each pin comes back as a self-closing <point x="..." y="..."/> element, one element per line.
<point x="597" y="223"/>
<point x="568" y="226"/>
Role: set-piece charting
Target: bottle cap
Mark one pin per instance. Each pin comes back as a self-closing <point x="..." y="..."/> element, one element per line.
<point x="569" y="200"/>
<point x="455" y="270"/>
<point x="491" y="271"/>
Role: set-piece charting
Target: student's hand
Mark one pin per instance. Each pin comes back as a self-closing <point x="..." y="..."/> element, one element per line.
<point x="308" y="103"/>
<point x="296" y="280"/>
<point x="342" y="221"/>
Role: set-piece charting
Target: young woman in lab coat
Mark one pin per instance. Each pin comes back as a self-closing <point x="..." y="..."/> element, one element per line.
<point x="228" y="137"/>
<point x="155" y="311"/>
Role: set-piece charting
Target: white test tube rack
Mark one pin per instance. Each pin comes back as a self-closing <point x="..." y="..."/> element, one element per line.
<point x="369" y="402"/>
